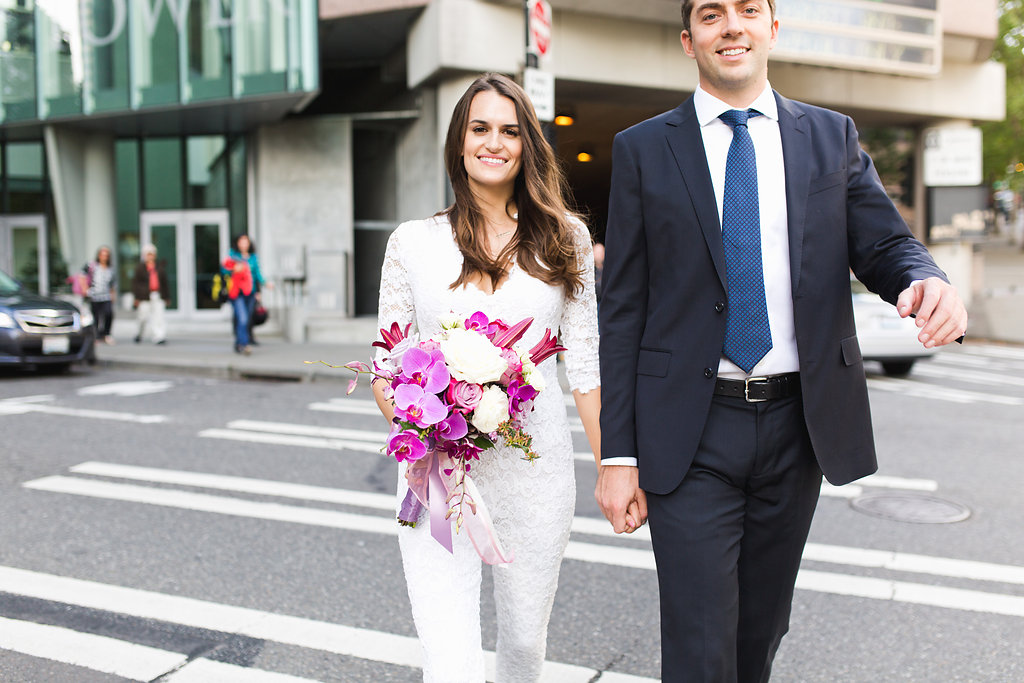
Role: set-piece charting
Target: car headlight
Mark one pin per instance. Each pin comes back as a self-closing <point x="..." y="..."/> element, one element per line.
<point x="86" y="317"/>
<point x="6" y="320"/>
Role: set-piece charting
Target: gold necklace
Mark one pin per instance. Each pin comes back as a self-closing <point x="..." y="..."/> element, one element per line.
<point x="499" y="235"/>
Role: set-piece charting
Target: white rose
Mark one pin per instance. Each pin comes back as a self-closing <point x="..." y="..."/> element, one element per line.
<point x="472" y="357"/>
<point x="491" y="411"/>
<point x="534" y="377"/>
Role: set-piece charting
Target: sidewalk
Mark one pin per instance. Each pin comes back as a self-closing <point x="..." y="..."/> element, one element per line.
<point x="211" y="352"/>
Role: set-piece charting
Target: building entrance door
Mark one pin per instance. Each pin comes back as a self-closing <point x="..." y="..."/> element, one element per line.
<point x="23" y="250"/>
<point x="192" y="245"/>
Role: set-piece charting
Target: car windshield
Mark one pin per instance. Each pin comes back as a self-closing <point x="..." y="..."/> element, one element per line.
<point x="8" y="286"/>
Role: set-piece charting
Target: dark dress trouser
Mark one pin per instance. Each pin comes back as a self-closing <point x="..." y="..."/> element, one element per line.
<point x="728" y="542"/>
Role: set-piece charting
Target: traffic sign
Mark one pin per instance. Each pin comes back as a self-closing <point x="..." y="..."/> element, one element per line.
<point x="540" y="86"/>
<point x="539" y="17"/>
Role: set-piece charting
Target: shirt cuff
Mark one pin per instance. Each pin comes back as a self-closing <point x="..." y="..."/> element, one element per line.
<point x="621" y="460"/>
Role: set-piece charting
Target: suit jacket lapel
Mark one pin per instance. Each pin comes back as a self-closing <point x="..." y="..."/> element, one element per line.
<point x="686" y="143"/>
<point x="796" y="151"/>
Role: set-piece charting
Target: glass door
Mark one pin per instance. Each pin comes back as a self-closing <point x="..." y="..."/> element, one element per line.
<point x="23" y="250"/>
<point x="191" y="244"/>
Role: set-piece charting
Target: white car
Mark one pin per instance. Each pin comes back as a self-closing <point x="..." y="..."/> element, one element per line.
<point x="883" y="335"/>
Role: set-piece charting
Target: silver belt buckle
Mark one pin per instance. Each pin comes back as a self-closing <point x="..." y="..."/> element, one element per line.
<point x="746" y="389"/>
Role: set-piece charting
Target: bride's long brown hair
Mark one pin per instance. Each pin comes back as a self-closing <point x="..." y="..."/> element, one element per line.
<point x="543" y="244"/>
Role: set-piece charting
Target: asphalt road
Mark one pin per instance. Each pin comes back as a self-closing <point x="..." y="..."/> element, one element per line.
<point x="169" y="527"/>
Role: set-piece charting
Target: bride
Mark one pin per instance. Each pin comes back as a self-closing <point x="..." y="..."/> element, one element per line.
<point x="508" y="247"/>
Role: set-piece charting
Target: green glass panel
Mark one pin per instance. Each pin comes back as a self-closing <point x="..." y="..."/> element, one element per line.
<point x="126" y="160"/>
<point x="105" y="33"/>
<point x="26" y="181"/>
<point x="206" y="238"/>
<point x="17" y="59"/>
<point x="162" y="174"/>
<point x="155" y="51"/>
<point x="25" y="255"/>
<point x="238" y="187"/>
<point x="207" y="172"/>
<point x="209" y="42"/>
<point x="60" y="61"/>
<point x="261" y="46"/>
<point x="165" y="239"/>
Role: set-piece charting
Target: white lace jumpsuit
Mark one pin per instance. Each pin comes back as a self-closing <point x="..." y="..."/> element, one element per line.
<point x="531" y="505"/>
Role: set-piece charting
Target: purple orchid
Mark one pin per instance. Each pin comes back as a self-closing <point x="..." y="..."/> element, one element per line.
<point x="545" y="348"/>
<point x="479" y="322"/>
<point x="392" y="337"/>
<point x="425" y="369"/>
<point x="413" y="404"/>
<point x="519" y="396"/>
<point x="453" y="427"/>
<point x="406" y="445"/>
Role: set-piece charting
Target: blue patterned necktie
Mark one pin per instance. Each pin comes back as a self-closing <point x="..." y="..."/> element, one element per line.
<point x="747" y="335"/>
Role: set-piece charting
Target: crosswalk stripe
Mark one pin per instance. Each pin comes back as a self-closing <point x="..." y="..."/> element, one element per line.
<point x="299" y="631"/>
<point x="99" y="653"/>
<point x="124" y="659"/>
<point x="291" y="440"/>
<point x="88" y="413"/>
<point x="357" y="406"/>
<point x="308" y="436"/>
<point x="640" y="558"/>
<point x="971" y="376"/>
<point x="943" y="393"/>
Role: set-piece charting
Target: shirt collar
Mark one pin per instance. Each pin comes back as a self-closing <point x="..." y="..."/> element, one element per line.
<point x="709" y="107"/>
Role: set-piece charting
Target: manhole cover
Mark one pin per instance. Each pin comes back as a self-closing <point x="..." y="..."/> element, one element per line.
<point x="911" y="507"/>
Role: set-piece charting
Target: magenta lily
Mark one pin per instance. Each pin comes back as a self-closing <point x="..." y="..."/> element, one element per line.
<point x="413" y="404"/>
<point x="545" y="348"/>
<point x="392" y="337"/>
<point x="510" y="335"/>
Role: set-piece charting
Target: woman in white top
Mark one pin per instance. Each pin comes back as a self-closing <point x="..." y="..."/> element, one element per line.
<point x="510" y="248"/>
<point x="102" y="293"/>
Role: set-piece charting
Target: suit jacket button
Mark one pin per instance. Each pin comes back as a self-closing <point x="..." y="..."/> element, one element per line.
<point x="709" y="373"/>
<point x="719" y="307"/>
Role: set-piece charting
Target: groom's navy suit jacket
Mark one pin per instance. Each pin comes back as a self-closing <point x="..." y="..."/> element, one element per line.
<point x="665" y="292"/>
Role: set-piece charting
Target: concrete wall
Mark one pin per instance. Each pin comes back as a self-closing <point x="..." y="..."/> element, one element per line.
<point x="303" y="204"/>
<point x="459" y="36"/>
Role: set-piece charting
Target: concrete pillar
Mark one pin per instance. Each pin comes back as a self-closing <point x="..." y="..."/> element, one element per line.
<point x="81" y="166"/>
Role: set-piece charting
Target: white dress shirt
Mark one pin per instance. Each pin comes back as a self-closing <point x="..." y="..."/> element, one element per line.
<point x="771" y="194"/>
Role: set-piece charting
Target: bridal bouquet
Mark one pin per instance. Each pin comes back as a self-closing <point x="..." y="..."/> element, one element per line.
<point x="455" y="396"/>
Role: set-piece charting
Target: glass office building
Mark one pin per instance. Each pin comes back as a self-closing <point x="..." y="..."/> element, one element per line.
<point x="128" y="121"/>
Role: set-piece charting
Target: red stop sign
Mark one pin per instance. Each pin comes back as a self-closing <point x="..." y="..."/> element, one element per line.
<point x="540" y="26"/>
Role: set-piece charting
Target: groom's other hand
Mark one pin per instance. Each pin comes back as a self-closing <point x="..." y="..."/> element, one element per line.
<point x="940" y="312"/>
<point x="620" y="497"/>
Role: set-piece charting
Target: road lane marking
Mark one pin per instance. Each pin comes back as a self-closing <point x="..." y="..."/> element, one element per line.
<point x="349" y="641"/>
<point x="33" y="404"/>
<point x="616" y="555"/>
<point x="291" y="440"/>
<point x="127" y="389"/>
<point x="206" y="670"/>
<point x="942" y="393"/>
<point x="355" y="406"/>
<point x="970" y="376"/>
<point x="99" y="653"/>
<point x="311" y="436"/>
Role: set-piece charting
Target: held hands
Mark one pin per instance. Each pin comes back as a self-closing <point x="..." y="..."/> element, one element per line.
<point x="620" y="497"/>
<point x="940" y="313"/>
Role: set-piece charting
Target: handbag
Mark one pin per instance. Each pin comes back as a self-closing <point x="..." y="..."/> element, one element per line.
<point x="259" y="315"/>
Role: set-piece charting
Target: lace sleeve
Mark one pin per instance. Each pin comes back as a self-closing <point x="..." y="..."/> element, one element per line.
<point x="578" y="328"/>
<point x="395" y="304"/>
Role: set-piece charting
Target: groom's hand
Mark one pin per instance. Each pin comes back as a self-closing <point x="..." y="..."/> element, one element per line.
<point x="620" y="497"/>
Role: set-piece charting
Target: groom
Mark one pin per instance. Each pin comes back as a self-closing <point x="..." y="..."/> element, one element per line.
<point x="732" y="377"/>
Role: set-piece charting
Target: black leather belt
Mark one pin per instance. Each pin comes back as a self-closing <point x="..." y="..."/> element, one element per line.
<point x="757" y="389"/>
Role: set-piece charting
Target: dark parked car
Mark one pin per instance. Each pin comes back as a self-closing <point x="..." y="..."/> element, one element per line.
<point x="38" y="330"/>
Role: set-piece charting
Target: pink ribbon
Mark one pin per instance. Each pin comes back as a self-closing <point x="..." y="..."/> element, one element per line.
<point x="431" y="485"/>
